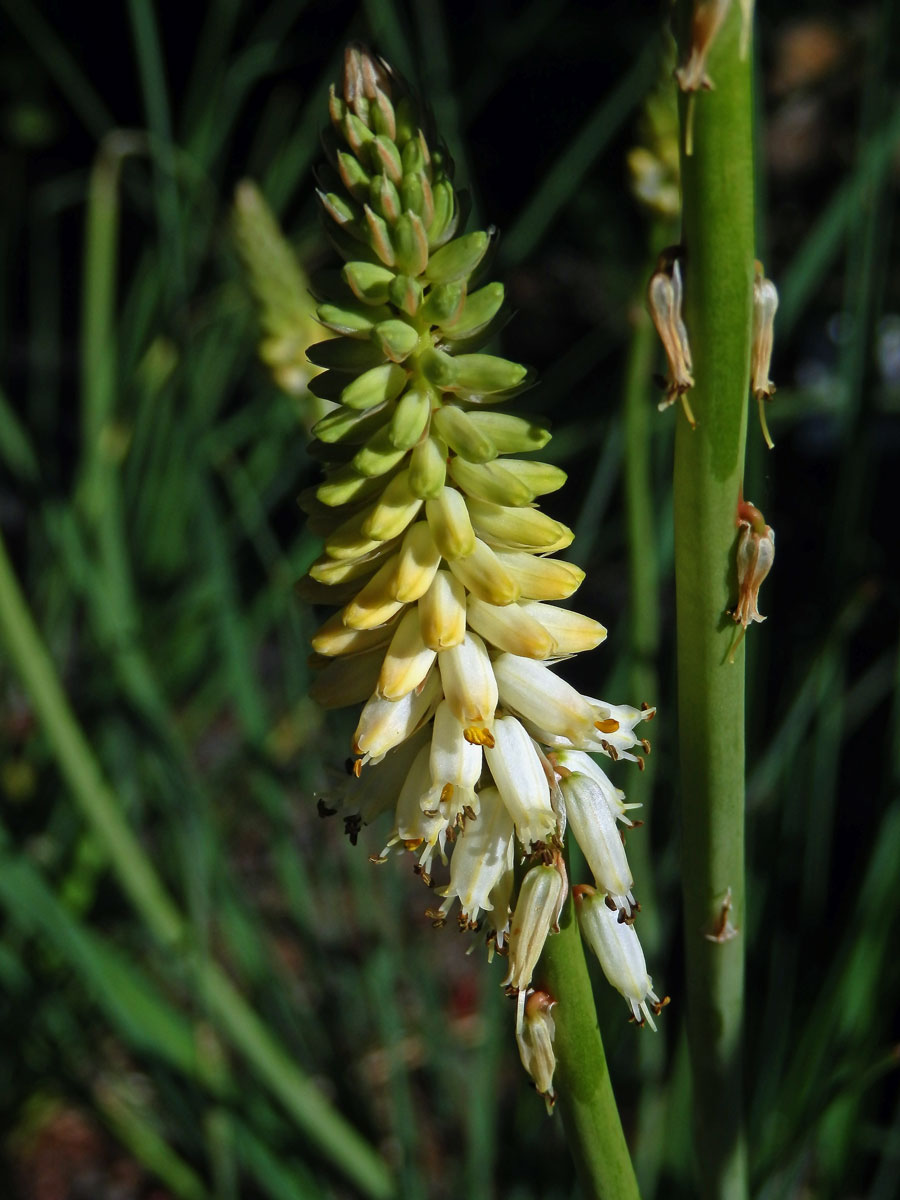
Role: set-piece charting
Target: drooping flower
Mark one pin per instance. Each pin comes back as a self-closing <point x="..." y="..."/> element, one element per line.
<point x="439" y="555"/>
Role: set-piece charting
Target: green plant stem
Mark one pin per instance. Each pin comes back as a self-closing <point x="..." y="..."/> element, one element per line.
<point x="717" y="181"/>
<point x="150" y="899"/>
<point x="586" y="1100"/>
<point x="643" y="685"/>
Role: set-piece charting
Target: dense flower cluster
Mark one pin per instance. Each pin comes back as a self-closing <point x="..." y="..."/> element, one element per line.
<point x="434" y="545"/>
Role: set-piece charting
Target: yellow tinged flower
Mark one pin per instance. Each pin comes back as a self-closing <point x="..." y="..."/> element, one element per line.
<point x="408" y="659"/>
<point x="419" y="560"/>
<point x="442" y="612"/>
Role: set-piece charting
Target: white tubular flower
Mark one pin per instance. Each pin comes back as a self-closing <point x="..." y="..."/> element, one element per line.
<point x="577" y="761"/>
<point x="617" y="947"/>
<point x="614" y="728"/>
<point x="384" y="724"/>
<point x="468" y="680"/>
<point x="482" y="856"/>
<point x="593" y="822"/>
<point x="519" y="775"/>
<point x="455" y="763"/>
<point x="501" y="896"/>
<point x="612" y="733"/>
<point x="535" y="1042"/>
<point x="415" y="829"/>
<point x="536" y="694"/>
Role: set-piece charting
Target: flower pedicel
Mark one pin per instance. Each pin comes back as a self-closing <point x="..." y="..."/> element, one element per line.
<point x="437" y="551"/>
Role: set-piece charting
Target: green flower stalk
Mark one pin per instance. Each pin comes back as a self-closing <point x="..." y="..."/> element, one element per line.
<point x="437" y="551"/>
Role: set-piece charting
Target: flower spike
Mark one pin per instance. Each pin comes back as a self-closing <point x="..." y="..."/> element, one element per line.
<point x="439" y="558"/>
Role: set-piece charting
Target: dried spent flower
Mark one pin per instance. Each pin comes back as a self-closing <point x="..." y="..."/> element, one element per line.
<point x="755" y="556"/>
<point x="439" y="557"/>
<point x="535" y="1042"/>
<point x="765" y="305"/>
<point x="706" y="21"/>
<point x="664" y="296"/>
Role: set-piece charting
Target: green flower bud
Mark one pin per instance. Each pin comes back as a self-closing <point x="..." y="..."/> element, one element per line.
<point x="410" y="418"/>
<point x="438" y="368"/>
<point x="353" y="176"/>
<point x="396" y="338"/>
<point x="489" y="481"/>
<point x="382" y="116"/>
<point x="477" y="313"/>
<point x="428" y="468"/>
<point x="347" y="422"/>
<point x="410" y="243"/>
<point x="368" y="282"/>
<point x="388" y="158"/>
<point x="444" y="303"/>
<point x="462" y="435"/>
<point x="444" y="223"/>
<point x="458" y="259"/>
<point x="356" y="132"/>
<point x="384" y="198"/>
<point x="415" y="191"/>
<point x="485" y="374"/>
<point x="511" y="435"/>
<point x="405" y="293"/>
<point x="344" y="214"/>
<point x="345" y="486"/>
<point x="379" y="237"/>
<point x="353" y="320"/>
<point x="375" y="386"/>
<point x="378" y="455"/>
<point x="413" y="157"/>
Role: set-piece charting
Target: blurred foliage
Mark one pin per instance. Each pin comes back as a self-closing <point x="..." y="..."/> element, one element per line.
<point x="148" y="475"/>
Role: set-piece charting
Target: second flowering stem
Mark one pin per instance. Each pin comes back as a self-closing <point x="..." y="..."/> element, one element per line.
<point x="588" y="1106"/>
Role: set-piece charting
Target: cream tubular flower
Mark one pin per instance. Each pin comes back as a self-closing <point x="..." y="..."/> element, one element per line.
<point x="616" y="945"/>
<point x="535" y="1042"/>
<point x="591" y="819"/>
<point x="482" y="856"/>
<point x="520" y="778"/>
<point x="455" y="763"/>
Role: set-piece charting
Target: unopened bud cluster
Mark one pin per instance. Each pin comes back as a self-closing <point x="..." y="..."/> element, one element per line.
<point x="439" y="556"/>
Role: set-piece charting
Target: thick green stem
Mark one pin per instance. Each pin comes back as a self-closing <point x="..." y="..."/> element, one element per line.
<point x="586" y="1100"/>
<point x="139" y="881"/>
<point x="718" y="237"/>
